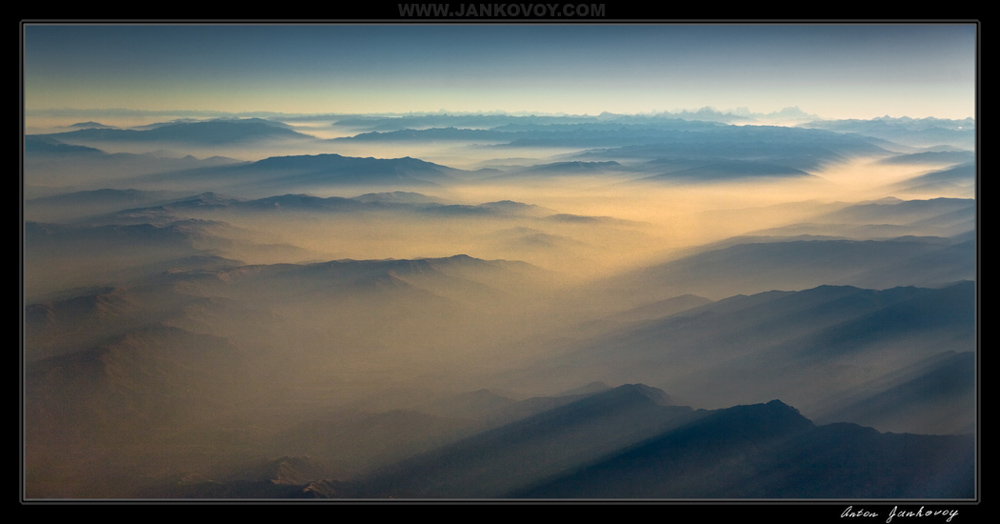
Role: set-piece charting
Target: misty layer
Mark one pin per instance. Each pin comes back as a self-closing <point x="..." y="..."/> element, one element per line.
<point x="490" y="306"/>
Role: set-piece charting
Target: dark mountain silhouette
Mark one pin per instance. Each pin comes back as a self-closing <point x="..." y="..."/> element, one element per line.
<point x="51" y="163"/>
<point x="500" y="460"/>
<point x="315" y="170"/>
<point x="390" y="202"/>
<point x="298" y="203"/>
<point x="624" y="443"/>
<point x="397" y="197"/>
<point x="334" y="163"/>
<point x="769" y="451"/>
<point x="807" y="345"/>
<point x="354" y="441"/>
<point x="215" y="132"/>
<point x="46" y="145"/>
<point x="88" y="125"/>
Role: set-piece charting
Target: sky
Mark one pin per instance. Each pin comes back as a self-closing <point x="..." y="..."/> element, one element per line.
<point x="830" y="70"/>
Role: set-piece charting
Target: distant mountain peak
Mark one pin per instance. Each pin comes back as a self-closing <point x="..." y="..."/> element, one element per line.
<point x="629" y="394"/>
<point x="89" y="125"/>
<point x="778" y="404"/>
<point x="656" y="395"/>
<point x="594" y="387"/>
<point x="772" y="417"/>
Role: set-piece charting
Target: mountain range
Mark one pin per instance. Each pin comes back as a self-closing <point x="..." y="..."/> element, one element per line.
<point x="631" y="442"/>
<point x="782" y="313"/>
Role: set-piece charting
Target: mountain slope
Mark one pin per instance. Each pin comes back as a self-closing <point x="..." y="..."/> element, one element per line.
<point x="802" y="264"/>
<point x="310" y="171"/>
<point x="500" y="460"/>
<point x="770" y="451"/>
<point x="804" y="346"/>
<point x="213" y="132"/>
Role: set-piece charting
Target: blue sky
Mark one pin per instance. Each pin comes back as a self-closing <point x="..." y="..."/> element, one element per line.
<point x="835" y="71"/>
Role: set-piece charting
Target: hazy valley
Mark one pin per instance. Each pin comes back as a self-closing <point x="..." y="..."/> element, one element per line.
<point x="499" y="306"/>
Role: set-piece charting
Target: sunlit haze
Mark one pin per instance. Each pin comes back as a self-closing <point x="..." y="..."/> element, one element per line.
<point x="387" y="262"/>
